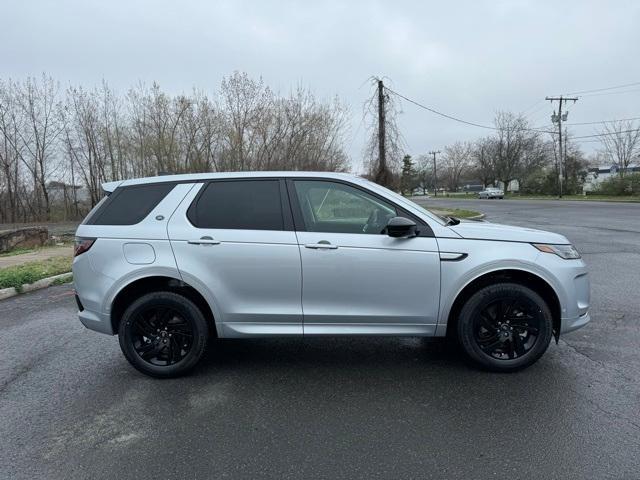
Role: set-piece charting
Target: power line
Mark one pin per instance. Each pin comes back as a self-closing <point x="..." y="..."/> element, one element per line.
<point x="604" y="89"/>
<point x="610" y="93"/>
<point x="450" y="117"/>
<point x="608" y="133"/>
<point x="604" y="121"/>
<point x="524" y="112"/>
<point x="599" y="122"/>
<point x="488" y="127"/>
<point x="535" y="112"/>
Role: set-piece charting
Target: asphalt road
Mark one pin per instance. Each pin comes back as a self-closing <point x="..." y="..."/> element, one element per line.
<point x="71" y="407"/>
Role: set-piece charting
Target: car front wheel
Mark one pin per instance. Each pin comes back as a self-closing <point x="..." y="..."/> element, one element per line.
<point x="163" y="334"/>
<point x="505" y="327"/>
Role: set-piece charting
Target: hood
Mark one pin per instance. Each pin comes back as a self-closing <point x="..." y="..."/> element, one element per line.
<point x="508" y="233"/>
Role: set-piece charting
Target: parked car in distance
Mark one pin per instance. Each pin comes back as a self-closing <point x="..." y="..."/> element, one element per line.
<point x="171" y="262"/>
<point x="491" y="192"/>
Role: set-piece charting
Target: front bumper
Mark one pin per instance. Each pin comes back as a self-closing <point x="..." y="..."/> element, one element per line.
<point x="571" y="324"/>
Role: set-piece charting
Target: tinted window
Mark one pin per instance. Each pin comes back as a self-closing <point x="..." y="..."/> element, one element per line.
<point x="247" y="205"/>
<point x="338" y="208"/>
<point x="130" y="205"/>
<point x="88" y="220"/>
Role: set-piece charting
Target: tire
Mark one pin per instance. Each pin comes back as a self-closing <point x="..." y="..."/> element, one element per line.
<point x="163" y="334"/>
<point x="504" y="327"/>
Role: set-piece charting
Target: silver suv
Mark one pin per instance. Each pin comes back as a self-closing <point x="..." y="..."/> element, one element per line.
<point x="169" y="263"/>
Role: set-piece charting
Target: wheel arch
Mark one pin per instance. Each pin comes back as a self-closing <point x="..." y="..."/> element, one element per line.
<point x="153" y="283"/>
<point x="522" y="277"/>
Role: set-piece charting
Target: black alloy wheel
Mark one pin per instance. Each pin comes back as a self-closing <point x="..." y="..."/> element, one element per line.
<point x="163" y="334"/>
<point x="508" y="328"/>
<point x="504" y="327"/>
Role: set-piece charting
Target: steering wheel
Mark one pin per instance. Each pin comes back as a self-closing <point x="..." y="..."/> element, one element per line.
<point x="376" y="222"/>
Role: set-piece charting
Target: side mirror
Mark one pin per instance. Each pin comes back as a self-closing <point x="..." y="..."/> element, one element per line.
<point x="401" y="227"/>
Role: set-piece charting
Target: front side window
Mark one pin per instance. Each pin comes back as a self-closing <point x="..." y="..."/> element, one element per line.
<point x="338" y="208"/>
<point x="239" y="204"/>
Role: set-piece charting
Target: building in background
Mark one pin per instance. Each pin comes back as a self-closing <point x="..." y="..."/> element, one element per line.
<point x="597" y="175"/>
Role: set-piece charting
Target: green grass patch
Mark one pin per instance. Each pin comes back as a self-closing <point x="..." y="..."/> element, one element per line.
<point x="461" y="213"/>
<point x="62" y="280"/>
<point x="30" y="272"/>
<point x="17" y="251"/>
<point x="594" y="197"/>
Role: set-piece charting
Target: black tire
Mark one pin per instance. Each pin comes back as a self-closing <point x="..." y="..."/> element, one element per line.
<point x="163" y="334"/>
<point x="505" y="327"/>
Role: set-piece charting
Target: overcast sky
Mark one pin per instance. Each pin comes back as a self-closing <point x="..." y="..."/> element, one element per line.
<point x="467" y="59"/>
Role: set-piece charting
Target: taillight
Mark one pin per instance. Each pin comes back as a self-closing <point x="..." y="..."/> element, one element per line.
<point x="82" y="245"/>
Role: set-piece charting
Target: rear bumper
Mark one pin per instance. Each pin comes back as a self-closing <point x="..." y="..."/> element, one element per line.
<point x="96" y="322"/>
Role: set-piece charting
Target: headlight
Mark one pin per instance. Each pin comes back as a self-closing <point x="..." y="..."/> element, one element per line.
<point x="568" y="252"/>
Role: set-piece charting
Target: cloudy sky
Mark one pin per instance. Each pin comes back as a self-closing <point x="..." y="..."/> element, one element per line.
<point x="467" y="59"/>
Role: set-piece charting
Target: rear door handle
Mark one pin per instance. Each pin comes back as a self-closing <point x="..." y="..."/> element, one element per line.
<point x="204" y="241"/>
<point x="321" y="245"/>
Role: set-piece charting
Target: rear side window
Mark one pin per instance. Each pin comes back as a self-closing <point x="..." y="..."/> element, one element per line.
<point x="245" y="205"/>
<point x="129" y="205"/>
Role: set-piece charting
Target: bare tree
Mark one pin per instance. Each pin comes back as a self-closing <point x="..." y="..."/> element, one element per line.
<point x="42" y="127"/>
<point x="456" y="161"/>
<point x="89" y="136"/>
<point x="511" y="143"/>
<point x="424" y="173"/>
<point x="483" y="159"/>
<point x="11" y="151"/>
<point x="620" y="143"/>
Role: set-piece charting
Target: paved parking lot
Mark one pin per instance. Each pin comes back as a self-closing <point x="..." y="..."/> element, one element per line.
<point x="71" y="407"/>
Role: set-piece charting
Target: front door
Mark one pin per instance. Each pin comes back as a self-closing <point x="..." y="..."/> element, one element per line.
<point x="356" y="279"/>
<point x="235" y="239"/>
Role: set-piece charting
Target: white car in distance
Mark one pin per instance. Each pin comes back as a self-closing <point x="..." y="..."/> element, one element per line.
<point x="491" y="192"/>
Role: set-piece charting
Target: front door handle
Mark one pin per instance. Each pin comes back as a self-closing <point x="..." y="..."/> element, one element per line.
<point x="321" y="245"/>
<point x="204" y="241"/>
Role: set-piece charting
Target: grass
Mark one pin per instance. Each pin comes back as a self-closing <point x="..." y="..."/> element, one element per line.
<point x="514" y="196"/>
<point x="17" y="251"/>
<point x="21" y="251"/>
<point x="461" y="213"/>
<point x="62" y="280"/>
<point x="593" y="198"/>
<point x="30" y="272"/>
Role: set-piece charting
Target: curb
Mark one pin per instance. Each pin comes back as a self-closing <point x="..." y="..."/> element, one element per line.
<point x="30" y="287"/>
<point x="477" y="217"/>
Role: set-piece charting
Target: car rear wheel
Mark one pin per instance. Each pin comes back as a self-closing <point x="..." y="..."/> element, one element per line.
<point x="505" y="327"/>
<point x="163" y="334"/>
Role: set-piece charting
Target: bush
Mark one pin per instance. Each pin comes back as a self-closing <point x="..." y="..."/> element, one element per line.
<point x="617" y="185"/>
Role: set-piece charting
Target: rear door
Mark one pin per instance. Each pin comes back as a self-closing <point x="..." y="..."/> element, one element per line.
<point x="235" y="239"/>
<point x="356" y="279"/>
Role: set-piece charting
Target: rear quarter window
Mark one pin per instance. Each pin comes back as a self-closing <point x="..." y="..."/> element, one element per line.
<point x="129" y="205"/>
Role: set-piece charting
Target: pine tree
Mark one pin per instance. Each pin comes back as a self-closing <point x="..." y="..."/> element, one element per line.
<point x="408" y="178"/>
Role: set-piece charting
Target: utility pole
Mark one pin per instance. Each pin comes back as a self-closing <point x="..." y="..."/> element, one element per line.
<point x="559" y="118"/>
<point x="564" y="166"/>
<point x="435" y="172"/>
<point x="381" y="174"/>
